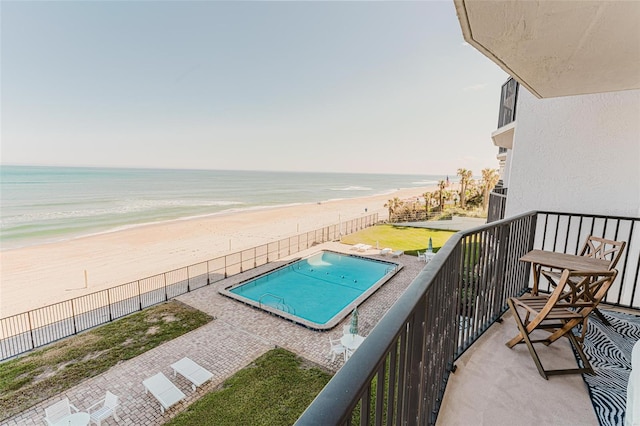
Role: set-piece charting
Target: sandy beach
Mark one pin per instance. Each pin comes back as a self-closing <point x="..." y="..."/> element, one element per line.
<point x="37" y="276"/>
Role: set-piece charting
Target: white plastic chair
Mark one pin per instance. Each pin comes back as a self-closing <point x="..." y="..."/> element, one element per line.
<point x="58" y="411"/>
<point x="109" y="405"/>
<point x="336" y="349"/>
<point x="422" y="256"/>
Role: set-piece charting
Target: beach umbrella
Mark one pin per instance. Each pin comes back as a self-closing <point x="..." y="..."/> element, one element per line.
<point x="430" y="248"/>
<point x="354" y="322"/>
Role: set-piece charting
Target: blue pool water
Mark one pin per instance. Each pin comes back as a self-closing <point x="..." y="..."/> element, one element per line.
<point x="317" y="291"/>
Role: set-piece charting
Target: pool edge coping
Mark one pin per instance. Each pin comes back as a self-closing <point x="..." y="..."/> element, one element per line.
<point x="337" y="318"/>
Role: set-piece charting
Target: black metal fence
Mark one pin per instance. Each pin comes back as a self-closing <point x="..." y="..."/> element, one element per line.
<point x="399" y="374"/>
<point x="497" y="205"/>
<point x="23" y="332"/>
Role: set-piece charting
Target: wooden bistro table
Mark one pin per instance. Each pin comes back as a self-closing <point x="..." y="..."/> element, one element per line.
<point x="552" y="259"/>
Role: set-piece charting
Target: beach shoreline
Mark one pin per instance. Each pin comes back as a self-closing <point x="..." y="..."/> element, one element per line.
<point x="43" y="274"/>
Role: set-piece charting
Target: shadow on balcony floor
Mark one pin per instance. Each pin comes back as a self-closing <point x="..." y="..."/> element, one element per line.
<point x="495" y="385"/>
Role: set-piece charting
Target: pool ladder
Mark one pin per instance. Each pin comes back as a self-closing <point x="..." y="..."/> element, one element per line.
<point x="281" y="305"/>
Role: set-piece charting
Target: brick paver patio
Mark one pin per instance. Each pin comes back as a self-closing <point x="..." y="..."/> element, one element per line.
<point x="237" y="336"/>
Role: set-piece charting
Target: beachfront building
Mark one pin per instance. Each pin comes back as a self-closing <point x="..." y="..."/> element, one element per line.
<point x="569" y="135"/>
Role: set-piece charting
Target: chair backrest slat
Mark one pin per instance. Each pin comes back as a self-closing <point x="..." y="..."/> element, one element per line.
<point x="601" y="248"/>
<point x="58" y="411"/>
<point x="583" y="290"/>
<point x="110" y="400"/>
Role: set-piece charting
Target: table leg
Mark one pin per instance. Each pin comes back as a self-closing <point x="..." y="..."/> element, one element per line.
<point x="536" y="278"/>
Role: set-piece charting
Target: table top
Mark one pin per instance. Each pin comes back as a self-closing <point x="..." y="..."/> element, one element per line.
<point x="351" y="341"/>
<point x="75" y="419"/>
<point x="572" y="262"/>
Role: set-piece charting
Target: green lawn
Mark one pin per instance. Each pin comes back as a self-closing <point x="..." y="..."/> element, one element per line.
<point x="274" y="390"/>
<point x="47" y="372"/>
<point x="403" y="238"/>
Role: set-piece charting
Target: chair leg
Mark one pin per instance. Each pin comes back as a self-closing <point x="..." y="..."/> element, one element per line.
<point x="583" y="356"/>
<point x="524" y="336"/>
<point x="604" y="320"/>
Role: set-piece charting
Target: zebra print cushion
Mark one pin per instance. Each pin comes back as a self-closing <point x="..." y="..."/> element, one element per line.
<point x="609" y="352"/>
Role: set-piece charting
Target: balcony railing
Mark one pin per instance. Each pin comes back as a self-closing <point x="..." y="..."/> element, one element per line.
<point x="497" y="204"/>
<point x="508" y="101"/>
<point x="399" y="374"/>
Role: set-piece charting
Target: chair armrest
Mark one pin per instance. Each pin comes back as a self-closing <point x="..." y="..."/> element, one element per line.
<point x="95" y="405"/>
<point x="74" y="407"/>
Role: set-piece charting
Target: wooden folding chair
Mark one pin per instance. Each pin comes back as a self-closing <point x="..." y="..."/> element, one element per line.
<point x="597" y="248"/>
<point x="576" y="295"/>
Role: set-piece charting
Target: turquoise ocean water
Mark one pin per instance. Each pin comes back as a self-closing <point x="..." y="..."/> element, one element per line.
<point x="44" y="204"/>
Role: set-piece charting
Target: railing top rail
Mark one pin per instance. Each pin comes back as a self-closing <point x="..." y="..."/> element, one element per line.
<point x="592" y="215"/>
<point x="481" y="228"/>
<point x="497" y="194"/>
<point x="341" y="394"/>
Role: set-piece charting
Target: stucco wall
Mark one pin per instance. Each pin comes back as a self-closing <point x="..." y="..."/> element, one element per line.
<point x="576" y="154"/>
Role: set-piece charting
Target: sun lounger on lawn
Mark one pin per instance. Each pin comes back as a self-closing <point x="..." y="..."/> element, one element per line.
<point x="191" y="371"/>
<point x="397" y="253"/>
<point x="163" y="390"/>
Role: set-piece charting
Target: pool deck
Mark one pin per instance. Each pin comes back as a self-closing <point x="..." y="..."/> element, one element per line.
<point x="237" y="336"/>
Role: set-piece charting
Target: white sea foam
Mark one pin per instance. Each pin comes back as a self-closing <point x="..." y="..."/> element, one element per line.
<point x="353" y="188"/>
<point x="58" y="203"/>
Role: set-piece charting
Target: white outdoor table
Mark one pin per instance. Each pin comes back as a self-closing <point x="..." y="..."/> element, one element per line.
<point x="351" y="341"/>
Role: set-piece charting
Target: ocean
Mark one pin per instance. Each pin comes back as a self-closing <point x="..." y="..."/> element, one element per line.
<point x="46" y="204"/>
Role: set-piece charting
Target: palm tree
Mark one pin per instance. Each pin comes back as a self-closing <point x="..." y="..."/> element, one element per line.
<point x="428" y="199"/>
<point x="490" y="178"/>
<point x="465" y="179"/>
<point x="441" y="193"/>
<point x="393" y="206"/>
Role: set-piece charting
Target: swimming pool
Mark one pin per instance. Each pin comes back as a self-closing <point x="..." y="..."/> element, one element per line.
<point x="318" y="291"/>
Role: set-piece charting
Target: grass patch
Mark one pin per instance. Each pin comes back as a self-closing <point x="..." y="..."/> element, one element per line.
<point x="27" y="380"/>
<point x="408" y="239"/>
<point x="274" y="390"/>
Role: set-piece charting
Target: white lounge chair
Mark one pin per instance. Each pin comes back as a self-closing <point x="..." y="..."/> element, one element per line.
<point x="357" y="246"/>
<point x="364" y="247"/>
<point x="385" y="251"/>
<point x="99" y="413"/>
<point x="397" y="253"/>
<point x="58" y="411"/>
<point x="163" y="390"/>
<point x="191" y="371"/>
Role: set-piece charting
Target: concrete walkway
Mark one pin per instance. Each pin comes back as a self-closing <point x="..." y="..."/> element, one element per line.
<point x="237" y="336"/>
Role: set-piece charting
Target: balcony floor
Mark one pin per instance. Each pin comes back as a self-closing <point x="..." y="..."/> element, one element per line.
<point x="495" y="385"/>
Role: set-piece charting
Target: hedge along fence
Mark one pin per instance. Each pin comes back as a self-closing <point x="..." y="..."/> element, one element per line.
<point x="23" y="332"/>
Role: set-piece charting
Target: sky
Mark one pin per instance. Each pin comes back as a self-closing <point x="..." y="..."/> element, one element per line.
<point x="363" y="87"/>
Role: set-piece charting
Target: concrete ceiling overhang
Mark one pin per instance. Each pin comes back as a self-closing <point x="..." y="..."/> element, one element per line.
<point x="558" y="48"/>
